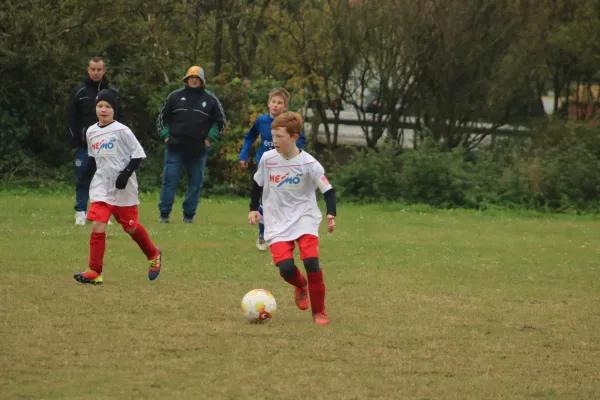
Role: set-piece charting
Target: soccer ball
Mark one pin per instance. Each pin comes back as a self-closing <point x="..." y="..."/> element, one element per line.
<point x="259" y="306"/>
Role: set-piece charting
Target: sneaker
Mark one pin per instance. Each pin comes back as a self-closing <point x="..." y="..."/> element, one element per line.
<point x="80" y="217"/>
<point x="301" y="297"/>
<point x="261" y="245"/>
<point x="154" y="264"/>
<point x="188" y="220"/>
<point x="164" y="219"/>
<point x="89" y="276"/>
<point x="321" y="318"/>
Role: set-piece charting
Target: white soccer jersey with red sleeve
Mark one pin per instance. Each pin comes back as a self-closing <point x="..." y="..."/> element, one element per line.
<point x="289" y="200"/>
<point x="113" y="146"/>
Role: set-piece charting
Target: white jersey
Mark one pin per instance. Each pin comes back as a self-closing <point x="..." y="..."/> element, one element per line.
<point x="289" y="200"/>
<point x="113" y="146"/>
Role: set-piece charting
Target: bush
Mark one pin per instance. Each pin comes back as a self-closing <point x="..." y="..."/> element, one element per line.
<point x="559" y="171"/>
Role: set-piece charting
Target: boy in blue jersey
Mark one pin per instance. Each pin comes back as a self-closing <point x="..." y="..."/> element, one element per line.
<point x="278" y="103"/>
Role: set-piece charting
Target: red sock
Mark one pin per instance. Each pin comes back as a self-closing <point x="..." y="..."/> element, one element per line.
<point x="97" y="247"/>
<point x="316" y="289"/>
<point x="297" y="279"/>
<point x="143" y="240"/>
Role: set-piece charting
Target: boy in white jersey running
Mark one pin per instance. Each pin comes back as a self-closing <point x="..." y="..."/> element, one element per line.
<point x="114" y="154"/>
<point x="287" y="178"/>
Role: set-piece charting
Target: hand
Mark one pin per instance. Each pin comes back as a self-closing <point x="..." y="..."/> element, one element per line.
<point x="253" y="217"/>
<point x="167" y="140"/>
<point x="243" y="165"/>
<point x="122" y="179"/>
<point x="207" y="143"/>
<point x="75" y="149"/>
<point x="330" y="223"/>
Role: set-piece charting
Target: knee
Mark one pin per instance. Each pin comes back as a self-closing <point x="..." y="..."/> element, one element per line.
<point x="311" y="264"/>
<point x="130" y="230"/>
<point x="287" y="269"/>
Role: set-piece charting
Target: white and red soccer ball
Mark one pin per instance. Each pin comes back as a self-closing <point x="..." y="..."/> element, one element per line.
<point x="259" y="306"/>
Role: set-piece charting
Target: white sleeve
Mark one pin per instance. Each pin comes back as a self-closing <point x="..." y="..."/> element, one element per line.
<point x="259" y="176"/>
<point x="319" y="179"/>
<point x="135" y="148"/>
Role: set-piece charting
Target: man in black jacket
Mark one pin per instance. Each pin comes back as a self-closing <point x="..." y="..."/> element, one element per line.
<point x="81" y="115"/>
<point x="190" y="122"/>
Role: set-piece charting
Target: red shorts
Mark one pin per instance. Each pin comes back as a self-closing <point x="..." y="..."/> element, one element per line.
<point x="127" y="216"/>
<point x="308" y="244"/>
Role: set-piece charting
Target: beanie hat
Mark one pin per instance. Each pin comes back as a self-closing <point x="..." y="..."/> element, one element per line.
<point x="108" y="96"/>
<point x="195" y="71"/>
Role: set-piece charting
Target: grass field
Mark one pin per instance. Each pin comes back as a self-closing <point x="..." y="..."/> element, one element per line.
<point x="423" y="305"/>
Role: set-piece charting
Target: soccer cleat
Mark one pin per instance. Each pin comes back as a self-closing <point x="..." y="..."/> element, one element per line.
<point x="321" y="318"/>
<point x="301" y="297"/>
<point x="261" y="244"/>
<point x="89" y="276"/>
<point x="80" y="217"/>
<point x="154" y="268"/>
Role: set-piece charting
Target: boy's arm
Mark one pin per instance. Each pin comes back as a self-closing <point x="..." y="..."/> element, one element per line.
<point x="255" y="196"/>
<point x="301" y="141"/>
<point x="258" y="182"/>
<point x="216" y="130"/>
<point x="137" y="154"/>
<point x="88" y="174"/>
<point x="256" y="193"/>
<point x="164" y="117"/>
<point x="325" y="187"/>
<point x="249" y="139"/>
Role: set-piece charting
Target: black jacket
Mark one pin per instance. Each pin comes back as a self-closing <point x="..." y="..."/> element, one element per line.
<point x="189" y="116"/>
<point x="82" y="109"/>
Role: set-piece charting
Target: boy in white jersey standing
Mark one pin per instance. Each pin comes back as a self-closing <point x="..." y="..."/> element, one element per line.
<point x="114" y="155"/>
<point x="287" y="178"/>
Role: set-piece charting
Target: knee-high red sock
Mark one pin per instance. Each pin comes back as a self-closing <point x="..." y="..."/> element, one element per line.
<point x="97" y="247"/>
<point x="143" y="240"/>
<point x="316" y="289"/>
<point x="297" y="279"/>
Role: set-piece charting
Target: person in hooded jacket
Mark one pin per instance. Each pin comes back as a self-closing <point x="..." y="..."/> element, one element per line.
<point x="190" y="122"/>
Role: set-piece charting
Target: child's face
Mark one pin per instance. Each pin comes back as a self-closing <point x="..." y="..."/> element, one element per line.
<point x="105" y="112"/>
<point x="277" y="106"/>
<point x="283" y="142"/>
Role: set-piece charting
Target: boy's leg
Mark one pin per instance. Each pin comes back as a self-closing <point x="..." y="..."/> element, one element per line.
<point x="128" y="218"/>
<point x="99" y="215"/>
<point x="260" y="241"/>
<point x="283" y="257"/>
<point x="194" y="165"/>
<point x="309" y="253"/>
<point x="170" y="179"/>
<point x="82" y="191"/>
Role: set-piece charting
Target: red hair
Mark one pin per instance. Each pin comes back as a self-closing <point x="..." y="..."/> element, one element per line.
<point x="291" y="121"/>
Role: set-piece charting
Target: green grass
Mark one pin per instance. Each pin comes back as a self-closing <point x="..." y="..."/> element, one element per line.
<point x="423" y="305"/>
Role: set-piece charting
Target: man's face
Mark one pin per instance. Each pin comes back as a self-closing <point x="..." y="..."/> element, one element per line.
<point x="193" y="82"/>
<point x="96" y="70"/>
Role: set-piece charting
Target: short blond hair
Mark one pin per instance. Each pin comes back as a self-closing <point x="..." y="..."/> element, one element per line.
<point x="280" y="92"/>
<point x="291" y="121"/>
